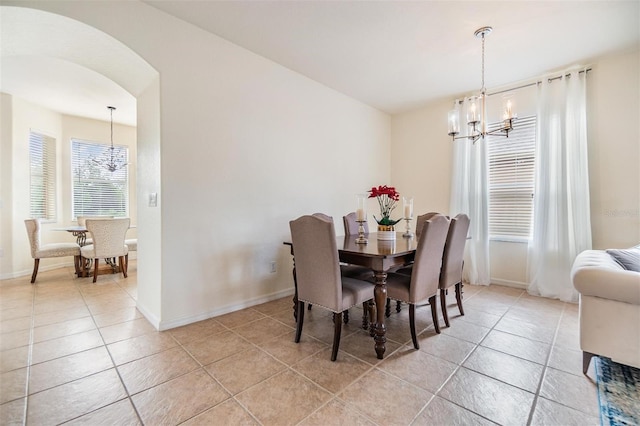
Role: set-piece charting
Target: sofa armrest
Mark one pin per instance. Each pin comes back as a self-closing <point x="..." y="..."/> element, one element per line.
<point x="596" y="273"/>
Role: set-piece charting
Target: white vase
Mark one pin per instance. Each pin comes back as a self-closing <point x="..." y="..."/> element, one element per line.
<point x="386" y="233"/>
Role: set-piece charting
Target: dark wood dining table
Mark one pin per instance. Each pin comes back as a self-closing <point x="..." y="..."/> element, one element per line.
<point x="380" y="256"/>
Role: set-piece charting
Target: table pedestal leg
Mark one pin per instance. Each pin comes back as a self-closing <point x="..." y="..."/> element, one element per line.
<point x="380" y="294"/>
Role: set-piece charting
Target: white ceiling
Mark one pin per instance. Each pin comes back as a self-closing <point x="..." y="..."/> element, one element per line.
<point x="392" y="55"/>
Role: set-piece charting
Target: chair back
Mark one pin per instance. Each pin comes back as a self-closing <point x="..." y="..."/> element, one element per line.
<point x="428" y="260"/>
<point x="108" y="236"/>
<point x="420" y="220"/>
<point x="453" y="256"/>
<point x="316" y="261"/>
<point x="351" y="226"/>
<point x="33" y="231"/>
<point x="82" y="220"/>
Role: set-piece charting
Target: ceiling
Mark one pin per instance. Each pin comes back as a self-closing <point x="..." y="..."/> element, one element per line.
<point x="392" y="55"/>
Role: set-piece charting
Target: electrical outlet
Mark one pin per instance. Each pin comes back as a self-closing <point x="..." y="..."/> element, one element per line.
<point x="274" y="268"/>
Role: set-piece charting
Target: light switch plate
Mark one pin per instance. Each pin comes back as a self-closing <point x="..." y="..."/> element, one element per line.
<point x="153" y="199"/>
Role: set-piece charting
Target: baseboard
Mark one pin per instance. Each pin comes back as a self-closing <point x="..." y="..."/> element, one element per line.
<point x="167" y="325"/>
<point x="155" y="321"/>
<point x="509" y="283"/>
<point x="28" y="272"/>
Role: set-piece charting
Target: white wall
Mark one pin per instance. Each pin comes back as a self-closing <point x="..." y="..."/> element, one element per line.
<point x="422" y="160"/>
<point x="22" y="117"/>
<point x="245" y="146"/>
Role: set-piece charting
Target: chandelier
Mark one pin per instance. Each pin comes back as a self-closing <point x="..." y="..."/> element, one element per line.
<point x="476" y="109"/>
<point x="112" y="158"/>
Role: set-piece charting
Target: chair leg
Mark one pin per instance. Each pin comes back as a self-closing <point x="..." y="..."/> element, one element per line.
<point x="586" y="360"/>
<point x="96" y="263"/>
<point x="300" y="321"/>
<point x="345" y="317"/>
<point x="387" y="309"/>
<point x="337" y="330"/>
<point x="459" y="297"/>
<point x="76" y="265"/>
<point x="123" y="266"/>
<point x="365" y="315"/>
<point x="412" y="325"/>
<point x="434" y="313"/>
<point x="443" y="305"/>
<point x="398" y="306"/>
<point x="36" y="264"/>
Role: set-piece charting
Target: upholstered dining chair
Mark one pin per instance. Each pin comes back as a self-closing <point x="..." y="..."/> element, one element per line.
<point x="421" y="219"/>
<point x="422" y="285"/>
<point x="318" y="276"/>
<point x="43" y="251"/>
<point x="108" y="242"/>
<point x="82" y="221"/>
<point x="355" y="271"/>
<point x="351" y="225"/>
<point x="132" y="245"/>
<point x="452" y="262"/>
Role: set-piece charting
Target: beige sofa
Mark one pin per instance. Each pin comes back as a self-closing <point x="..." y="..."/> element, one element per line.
<point x="609" y="308"/>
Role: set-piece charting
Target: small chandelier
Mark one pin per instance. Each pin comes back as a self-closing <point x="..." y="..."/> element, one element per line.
<point x="476" y="109"/>
<point x="111" y="159"/>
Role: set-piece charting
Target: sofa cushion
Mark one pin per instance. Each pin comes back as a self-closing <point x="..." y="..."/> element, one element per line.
<point x="596" y="273"/>
<point x="629" y="259"/>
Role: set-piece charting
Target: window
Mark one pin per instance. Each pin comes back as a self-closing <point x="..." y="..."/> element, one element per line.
<point x="42" y="189"/>
<point x="96" y="190"/>
<point x="511" y="181"/>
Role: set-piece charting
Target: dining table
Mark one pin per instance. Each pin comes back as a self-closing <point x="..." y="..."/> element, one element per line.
<point x="380" y="256"/>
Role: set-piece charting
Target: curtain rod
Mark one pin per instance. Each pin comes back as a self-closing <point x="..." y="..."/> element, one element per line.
<point x="535" y="83"/>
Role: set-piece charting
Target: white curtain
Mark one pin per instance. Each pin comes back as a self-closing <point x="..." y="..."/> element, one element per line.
<point x="470" y="195"/>
<point x="561" y="218"/>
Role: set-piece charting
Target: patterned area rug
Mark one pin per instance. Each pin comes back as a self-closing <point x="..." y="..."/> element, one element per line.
<point x="618" y="393"/>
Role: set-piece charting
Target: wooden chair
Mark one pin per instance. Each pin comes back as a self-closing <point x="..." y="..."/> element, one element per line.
<point x="318" y="276"/>
<point x="422" y="285"/>
<point x="452" y="262"/>
<point x="108" y="242"/>
<point x="43" y="251"/>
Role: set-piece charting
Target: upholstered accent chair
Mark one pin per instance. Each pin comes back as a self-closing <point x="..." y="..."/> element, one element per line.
<point x="421" y="219"/>
<point x="318" y="276"/>
<point x="132" y="245"/>
<point x="42" y="251"/>
<point x="108" y="242"/>
<point x="422" y="285"/>
<point x="453" y="261"/>
<point x="82" y="221"/>
<point x="351" y="226"/>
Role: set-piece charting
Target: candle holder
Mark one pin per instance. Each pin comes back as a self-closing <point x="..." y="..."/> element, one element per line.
<point x="408" y="233"/>
<point x="361" y="238"/>
<point x="408" y="215"/>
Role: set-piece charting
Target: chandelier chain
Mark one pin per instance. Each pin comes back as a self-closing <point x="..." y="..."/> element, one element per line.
<point x="483" y="90"/>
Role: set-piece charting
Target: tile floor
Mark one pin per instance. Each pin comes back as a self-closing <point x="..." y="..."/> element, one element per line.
<point x="80" y="353"/>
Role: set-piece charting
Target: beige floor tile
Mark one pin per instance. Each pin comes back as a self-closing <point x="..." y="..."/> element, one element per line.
<point x="67" y="345"/>
<point x="477" y="317"/>
<point x="567" y="360"/>
<point x="69" y="368"/>
<point x="336" y="413"/>
<point x="517" y="346"/>
<point x="120" y="413"/>
<point x="506" y="368"/>
<point x="239" y="318"/>
<point x="179" y="399"/>
<point x="577" y="392"/>
<point x="216" y="347"/>
<point x="419" y="368"/>
<point x="155" y="369"/>
<point x="12" y="413"/>
<point x="276" y="306"/>
<point x="75" y="399"/>
<point x="198" y="330"/>
<point x="61" y="316"/>
<point x="14" y="339"/>
<point x="284" y="399"/>
<point x="531" y="315"/>
<point x="386" y="399"/>
<point x="466" y="331"/>
<point x="13" y="359"/>
<point x="61" y="329"/>
<point x="229" y="410"/>
<point x="551" y="413"/>
<point x="244" y="369"/>
<point x="14" y="385"/>
<point x="285" y="349"/>
<point x="568" y="339"/>
<point x="58" y="305"/>
<point x="286" y="317"/>
<point x="332" y="375"/>
<point x="126" y="330"/>
<point x="102" y="308"/>
<point x="117" y="316"/>
<point x="362" y="346"/>
<point x="446" y="347"/>
<point x="15" y="324"/>
<point x="488" y="397"/>
<point x="261" y="331"/>
<point x="526" y="329"/>
<point x="443" y="412"/>
<point x="139" y="347"/>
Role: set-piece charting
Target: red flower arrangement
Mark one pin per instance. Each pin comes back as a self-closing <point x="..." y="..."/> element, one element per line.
<point x="387" y="197"/>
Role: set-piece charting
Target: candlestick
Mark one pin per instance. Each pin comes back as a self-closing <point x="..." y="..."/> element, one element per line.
<point x="361" y="238"/>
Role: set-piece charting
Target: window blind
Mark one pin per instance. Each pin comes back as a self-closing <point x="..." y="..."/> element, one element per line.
<point x="42" y="186"/>
<point x="511" y="181"/>
<point x="96" y="190"/>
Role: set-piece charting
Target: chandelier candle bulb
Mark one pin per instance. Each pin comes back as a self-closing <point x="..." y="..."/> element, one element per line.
<point x="454" y="122"/>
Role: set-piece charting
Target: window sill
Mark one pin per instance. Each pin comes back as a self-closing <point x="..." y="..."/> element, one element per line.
<point x="519" y="240"/>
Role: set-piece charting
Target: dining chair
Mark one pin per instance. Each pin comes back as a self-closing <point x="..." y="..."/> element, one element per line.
<point x="132" y="245"/>
<point x="82" y="221"/>
<point x="318" y="276"/>
<point x="351" y="225"/>
<point x="422" y="285"/>
<point x="453" y="261"/>
<point x="108" y="242"/>
<point x="355" y="271"/>
<point x="420" y="220"/>
<point x="43" y="251"/>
